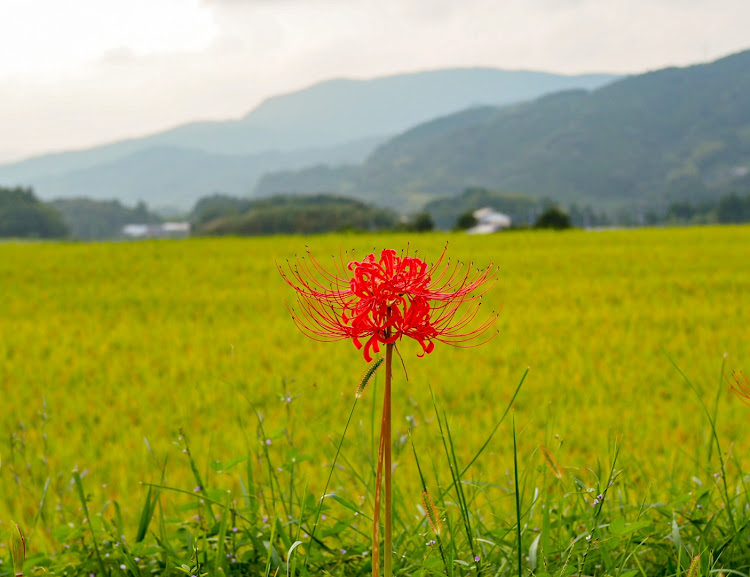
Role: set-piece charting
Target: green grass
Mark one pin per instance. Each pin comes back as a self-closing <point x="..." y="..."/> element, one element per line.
<point x="108" y="351"/>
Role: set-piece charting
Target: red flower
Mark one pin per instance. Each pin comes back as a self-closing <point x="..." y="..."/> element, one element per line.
<point x="379" y="301"/>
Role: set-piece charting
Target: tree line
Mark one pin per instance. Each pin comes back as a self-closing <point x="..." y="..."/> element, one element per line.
<point x="730" y="209"/>
<point x="23" y="215"/>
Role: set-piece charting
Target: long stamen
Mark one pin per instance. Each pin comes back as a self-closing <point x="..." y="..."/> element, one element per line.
<point x="397" y="294"/>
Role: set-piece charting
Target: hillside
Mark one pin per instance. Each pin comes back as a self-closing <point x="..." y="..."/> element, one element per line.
<point x="333" y="122"/>
<point x="638" y="143"/>
<point x="174" y="178"/>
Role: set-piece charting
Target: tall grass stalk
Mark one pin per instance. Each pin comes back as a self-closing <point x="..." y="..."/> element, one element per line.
<point x="432" y="517"/>
<point x="518" y="498"/>
<point x="599" y="505"/>
<point x="84" y="504"/>
<point x="715" y="436"/>
<point x="319" y="506"/>
<point x="359" y="391"/>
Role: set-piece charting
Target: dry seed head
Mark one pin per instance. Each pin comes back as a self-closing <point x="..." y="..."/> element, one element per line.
<point x="554" y="467"/>
<point x="367" y="376"/>
<point x="694" y="567"/>
<point x="432" y="513"/>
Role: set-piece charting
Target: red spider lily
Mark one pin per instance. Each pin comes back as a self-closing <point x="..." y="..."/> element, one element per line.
<point x="741" y="386"/>
<point x="379" y="301"/>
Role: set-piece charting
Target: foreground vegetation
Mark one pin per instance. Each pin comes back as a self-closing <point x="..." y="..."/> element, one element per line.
<point x="161" y="410"/>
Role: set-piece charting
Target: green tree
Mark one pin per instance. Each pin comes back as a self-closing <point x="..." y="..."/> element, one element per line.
<point x="291" y="214"/>
<point x="682" y="211"/>
<point x="22" y="215"/>
<point x="553" y="217"/>
<point x="465" y="221"/>
<point x="423" y="222"/>
<point x="733" y="209"/>
<point x="218" y="206"/>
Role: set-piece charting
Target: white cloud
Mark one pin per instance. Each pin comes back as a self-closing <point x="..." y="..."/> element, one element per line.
<point x="50" y="39"/>
<point x="87" y="71"/>
<point x="314" y="39"/>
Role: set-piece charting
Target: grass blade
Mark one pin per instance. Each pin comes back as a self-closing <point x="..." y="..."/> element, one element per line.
<point x="147" y="514"/>
<point x="79" y="488"/>
<point x="518" y="498"/>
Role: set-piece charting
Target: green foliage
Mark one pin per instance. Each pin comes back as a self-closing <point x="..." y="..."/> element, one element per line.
<point x="288" y="215"/>
<point x="98" y="219"/>
<point x="596" y="520"/>
<point x="553" y="217"/>
<point x="209" y="208"/>
<point x="22" y="215"/>
<point x="733" y="209"/>
<point x="465" y="221"/>
<point x="420" y="222"/>
<point x="423" y="222"/>
<point x="587" y="217"/>
<point x="729" y="209"/>
<point x="683" y="211"/>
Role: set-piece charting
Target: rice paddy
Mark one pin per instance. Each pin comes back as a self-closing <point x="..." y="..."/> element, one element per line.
<point x="112" y="356"/>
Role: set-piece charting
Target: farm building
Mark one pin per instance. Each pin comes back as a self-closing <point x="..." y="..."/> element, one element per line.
<point x="489" y="221"/>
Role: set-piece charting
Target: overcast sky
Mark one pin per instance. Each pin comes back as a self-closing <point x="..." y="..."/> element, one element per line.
<point x="76" y="73"/>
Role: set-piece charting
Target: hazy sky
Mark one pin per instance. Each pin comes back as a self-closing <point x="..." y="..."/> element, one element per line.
<point x="75" y="73"/>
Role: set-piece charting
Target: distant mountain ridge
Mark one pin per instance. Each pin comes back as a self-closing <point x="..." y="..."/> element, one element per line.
<point x="174" y="178"/>
<point x="677" y="134"/>
<point x="332" y="122"/>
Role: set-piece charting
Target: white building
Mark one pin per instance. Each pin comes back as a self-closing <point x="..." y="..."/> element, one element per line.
<point x="164" y="230"/>
<point x="489" y="221"/>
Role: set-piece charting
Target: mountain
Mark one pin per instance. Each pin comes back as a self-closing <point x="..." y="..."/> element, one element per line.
<point x="342" y="110"/>
<point x="640" y="142"/>
<point x="333" y="122"/>
<point x="172" y="178"/>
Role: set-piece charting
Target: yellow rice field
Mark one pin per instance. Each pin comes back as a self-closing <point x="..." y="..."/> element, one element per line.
<point x="107" y="350"/>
